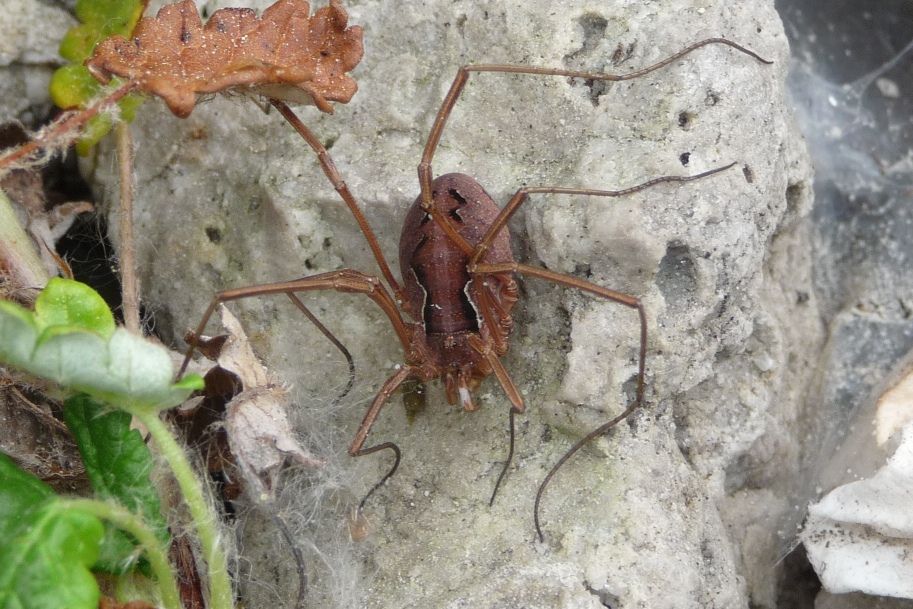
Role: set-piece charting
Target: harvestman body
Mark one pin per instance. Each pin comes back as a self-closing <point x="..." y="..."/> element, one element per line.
<point x="457" y="287"/>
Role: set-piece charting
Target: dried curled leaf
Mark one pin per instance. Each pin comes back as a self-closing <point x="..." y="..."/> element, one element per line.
<point x="259" y="431"/>
<point x="285" y="53"/>
<point x="261" y="440"/>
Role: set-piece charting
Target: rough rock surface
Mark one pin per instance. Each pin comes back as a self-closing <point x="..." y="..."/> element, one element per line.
<point x="27" y="56"/>
<point x="682" y="507"/>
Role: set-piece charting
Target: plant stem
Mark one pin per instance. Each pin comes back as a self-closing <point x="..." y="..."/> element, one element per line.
<point x="127" y="253"/>
<point x="133" y="524"/>
<point x="62" y="128"/>
<point x="18" y="257"/>
<point x="204" y="517"/>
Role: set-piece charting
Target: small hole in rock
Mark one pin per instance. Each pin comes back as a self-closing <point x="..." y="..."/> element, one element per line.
<point x="794" y="193"/>
<point x="685" y="119"/>
<point x="677" y="277"/>
<point x="583" y="270"/>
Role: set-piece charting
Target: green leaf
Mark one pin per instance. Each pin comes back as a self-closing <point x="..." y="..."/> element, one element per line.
<point x="192" y="381"/>
<point x="118" y="464"/>
<point x="130" y="104"/>
<point x="46" y="551"/>
<point x="99" y="19"/>
<point x="18" y="334"/>
<point x="70" y="340"/>
<point x="78" y="43"/>
<point x="72" y="86"/>
<point x="64" y="302"/>
<point x="110" y="16"/>
<point x="19" y="493"/>
<point x="98" y="127"/>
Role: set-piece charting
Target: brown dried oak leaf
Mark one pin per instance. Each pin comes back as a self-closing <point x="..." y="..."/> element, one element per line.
<point x="285" y="53"/>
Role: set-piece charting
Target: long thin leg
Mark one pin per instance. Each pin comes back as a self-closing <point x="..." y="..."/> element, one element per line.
<point x="513" y="394"/>
<point x="192" y="340"/>
<point x="599" y="431"/>
<point x="356" y="450"/>
<point x="510" y="457"/>
<point x="521" y="197"/>
<point x="462" y="76"/>
<point x="298" y="555"/>
<point x="624" y="299"/>
<point x="329" y="168"/>
<point x="345" y="280"/>
<point x="332" y="338"/>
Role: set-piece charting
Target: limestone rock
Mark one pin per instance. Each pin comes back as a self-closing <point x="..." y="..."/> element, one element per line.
<point x="651" y="516"/>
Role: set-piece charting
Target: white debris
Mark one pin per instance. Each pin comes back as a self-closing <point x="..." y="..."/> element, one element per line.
<point x="859" y="537"/>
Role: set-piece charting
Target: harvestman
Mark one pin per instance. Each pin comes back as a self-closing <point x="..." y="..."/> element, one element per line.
<point x="457" y="287"/>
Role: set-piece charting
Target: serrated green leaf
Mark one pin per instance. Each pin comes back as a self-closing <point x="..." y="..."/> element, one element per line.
<point x="117" y="460"/>
<point x="64" y="302"/>
<point x="19" y="493"/>
<point x="46" y="566"/>
<point x="118" y="464"/>
<point x="46" y="551"/>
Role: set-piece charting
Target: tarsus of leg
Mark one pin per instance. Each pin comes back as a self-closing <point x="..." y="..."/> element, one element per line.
<point x="462" y="77"/>
<point x="518" y="199"/>
<point x="507" y="384"/>
<point x="510" y="457"/>
<point x="356" y="450"/>
<point x="624" y="299"/>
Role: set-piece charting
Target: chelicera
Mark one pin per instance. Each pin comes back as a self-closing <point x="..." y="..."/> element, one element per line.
<point x="452" y="309"/>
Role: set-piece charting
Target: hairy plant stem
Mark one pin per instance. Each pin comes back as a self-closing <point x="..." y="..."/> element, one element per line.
<point x="127" y="252"/>
<point x="62" y="130"/>
<point x="201" y="512"/>
<point x="133" y="524"/>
